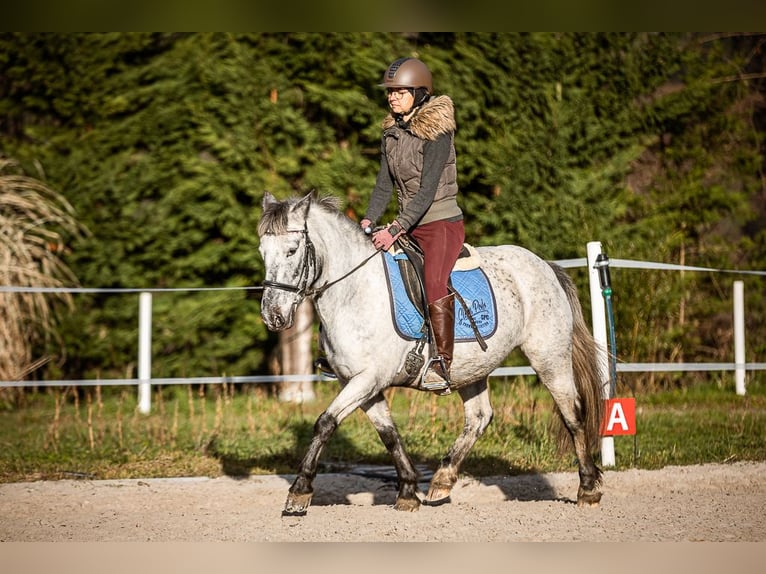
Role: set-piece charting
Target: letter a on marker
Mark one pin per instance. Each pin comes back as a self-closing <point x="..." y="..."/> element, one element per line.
<point x="617" y="416"/>
<point x="620" y="417"/>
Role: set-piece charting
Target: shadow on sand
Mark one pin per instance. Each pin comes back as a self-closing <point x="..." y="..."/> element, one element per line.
<point x="335" y="482"/>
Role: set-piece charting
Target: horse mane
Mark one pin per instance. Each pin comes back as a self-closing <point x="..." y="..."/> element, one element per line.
<point x="327" y="202"/>
<point x="274" y="218"/>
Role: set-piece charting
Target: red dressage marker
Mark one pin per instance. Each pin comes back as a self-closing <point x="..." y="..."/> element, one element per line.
<point x="619" y="417"/>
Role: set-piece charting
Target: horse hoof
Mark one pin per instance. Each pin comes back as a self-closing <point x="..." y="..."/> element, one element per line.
<point x="286" y="512"/>
<point x="437" y="501"/>
<point x="441" y="486"/>
<point x="438" y="495"/>
<point x="591" y="499"/>
<point x="407" y="504"/>
<point x="297" y="504"/>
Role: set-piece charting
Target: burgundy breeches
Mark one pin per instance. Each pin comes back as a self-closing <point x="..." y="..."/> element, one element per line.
<point x="441" y="242"/>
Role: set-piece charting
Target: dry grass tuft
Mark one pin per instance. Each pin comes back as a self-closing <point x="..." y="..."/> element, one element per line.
<point x="32" y="220"/>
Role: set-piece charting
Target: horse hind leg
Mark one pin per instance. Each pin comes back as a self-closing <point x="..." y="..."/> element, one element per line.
<point x="580" y="407"/>
<point x="478" y="415"/>
<point x="589" y="492"/>
<point x="378" y="412"/>
<point x="575" y="426"/>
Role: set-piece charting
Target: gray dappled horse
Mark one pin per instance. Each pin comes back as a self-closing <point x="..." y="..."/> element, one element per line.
<point x="310" y="249"/>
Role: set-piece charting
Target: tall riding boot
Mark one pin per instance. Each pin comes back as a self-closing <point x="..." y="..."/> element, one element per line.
<point x="442" y="313"/>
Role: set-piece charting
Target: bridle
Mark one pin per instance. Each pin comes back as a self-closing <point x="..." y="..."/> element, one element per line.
<point x="302" y="289"/>
<point x="309" y="260"/>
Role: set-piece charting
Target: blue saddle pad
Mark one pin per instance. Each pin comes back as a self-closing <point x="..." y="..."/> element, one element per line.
<point x="474" y="287"/>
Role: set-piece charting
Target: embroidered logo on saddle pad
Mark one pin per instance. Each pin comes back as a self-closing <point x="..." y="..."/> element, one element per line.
<point x="469" y="281"/>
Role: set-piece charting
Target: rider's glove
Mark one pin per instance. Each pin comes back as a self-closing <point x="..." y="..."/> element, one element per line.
<point x="384" y="238"/>
<point x="367" y="226"/>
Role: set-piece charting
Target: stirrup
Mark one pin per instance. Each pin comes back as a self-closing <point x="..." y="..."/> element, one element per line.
<point x="324" y="368"/>
<point x="442" y="386"/>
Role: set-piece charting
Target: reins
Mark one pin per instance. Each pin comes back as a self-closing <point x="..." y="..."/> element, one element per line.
<point x="317" y="292"/>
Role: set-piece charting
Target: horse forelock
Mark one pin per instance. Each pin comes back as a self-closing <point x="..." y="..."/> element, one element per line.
<point x="274" y="219"/>
<point x="275" y="216"/>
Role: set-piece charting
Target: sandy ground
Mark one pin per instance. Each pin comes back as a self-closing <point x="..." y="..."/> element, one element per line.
<point x="694" y="503"/>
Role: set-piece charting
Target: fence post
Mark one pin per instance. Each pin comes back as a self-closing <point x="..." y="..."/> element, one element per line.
<point x="145" y="352"/>
<point x="739" y="337"/>
<point x="598" y="314"/>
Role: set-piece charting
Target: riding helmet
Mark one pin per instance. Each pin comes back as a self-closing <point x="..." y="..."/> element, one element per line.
<point x="408" y="73"/>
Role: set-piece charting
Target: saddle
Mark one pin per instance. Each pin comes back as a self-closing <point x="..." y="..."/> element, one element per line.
<point x="411" y="316"/>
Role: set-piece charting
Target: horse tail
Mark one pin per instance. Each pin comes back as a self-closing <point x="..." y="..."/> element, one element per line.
<point x="587" y="370"/>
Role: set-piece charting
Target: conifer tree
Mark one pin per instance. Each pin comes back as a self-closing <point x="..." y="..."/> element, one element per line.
<point x="165" y="143"/>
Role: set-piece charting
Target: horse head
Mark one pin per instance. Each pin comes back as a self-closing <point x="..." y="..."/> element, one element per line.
<point x="288" y="257"/>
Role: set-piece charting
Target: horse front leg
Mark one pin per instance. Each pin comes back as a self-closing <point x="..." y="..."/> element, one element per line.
<point x="300" y="493"/>
<point x="378" y="412"/>
<point x="478" y="415"/>
<point x="351" y="396"/>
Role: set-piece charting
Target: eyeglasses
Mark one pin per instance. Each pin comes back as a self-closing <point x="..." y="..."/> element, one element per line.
<point x="398" y="92"/>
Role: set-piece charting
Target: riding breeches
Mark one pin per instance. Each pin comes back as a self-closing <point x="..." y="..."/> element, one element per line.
<point x="441" y="242"/>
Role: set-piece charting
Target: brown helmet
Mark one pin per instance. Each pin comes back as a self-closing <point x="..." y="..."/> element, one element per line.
<point x="408" y="73"/>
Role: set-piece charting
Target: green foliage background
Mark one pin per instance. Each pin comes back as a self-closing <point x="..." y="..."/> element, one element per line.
<point x="165" y="144"/>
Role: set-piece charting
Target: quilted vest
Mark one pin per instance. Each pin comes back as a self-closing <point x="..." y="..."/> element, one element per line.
<point x="404" y="153"/>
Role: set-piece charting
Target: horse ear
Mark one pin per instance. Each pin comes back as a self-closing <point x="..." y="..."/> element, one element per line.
<point x="301" y="207"/>
<point x="268" y="199"/>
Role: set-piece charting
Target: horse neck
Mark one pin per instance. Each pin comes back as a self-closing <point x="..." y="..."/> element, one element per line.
<point x="340" y="247"/>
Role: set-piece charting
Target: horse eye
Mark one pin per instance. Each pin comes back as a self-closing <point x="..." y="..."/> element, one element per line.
<point x="292" y="251"/>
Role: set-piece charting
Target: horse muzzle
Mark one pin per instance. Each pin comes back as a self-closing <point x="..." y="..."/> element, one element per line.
<point x="277" y="317"/>
<point x="276" y="321"/>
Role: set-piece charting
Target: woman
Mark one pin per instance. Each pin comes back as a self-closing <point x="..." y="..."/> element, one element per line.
<point x="418" y="159"/>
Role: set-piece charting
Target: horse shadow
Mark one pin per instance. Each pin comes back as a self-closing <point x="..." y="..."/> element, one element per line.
<point x="520" y="487"/>
<point x="517" y="486"/>
<point x="339" y="483"/>
<point x="335" y="483"/>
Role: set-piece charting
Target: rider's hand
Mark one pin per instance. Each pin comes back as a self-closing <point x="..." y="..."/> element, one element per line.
<point x="367" y="226"/>
<point x="384" y="238"/>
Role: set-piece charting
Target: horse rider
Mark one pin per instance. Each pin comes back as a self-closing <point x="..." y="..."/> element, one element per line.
<point x="418" y="160"/>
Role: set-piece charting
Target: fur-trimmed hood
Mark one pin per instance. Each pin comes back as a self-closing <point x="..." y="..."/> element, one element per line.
<point x="434" y="118"/>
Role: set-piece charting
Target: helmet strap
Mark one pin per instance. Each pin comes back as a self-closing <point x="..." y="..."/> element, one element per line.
<point x="419" y="96"/>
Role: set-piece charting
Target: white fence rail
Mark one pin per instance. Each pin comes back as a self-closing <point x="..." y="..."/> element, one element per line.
<point x="257" y="379"/>
<point x="145" y="380"/>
